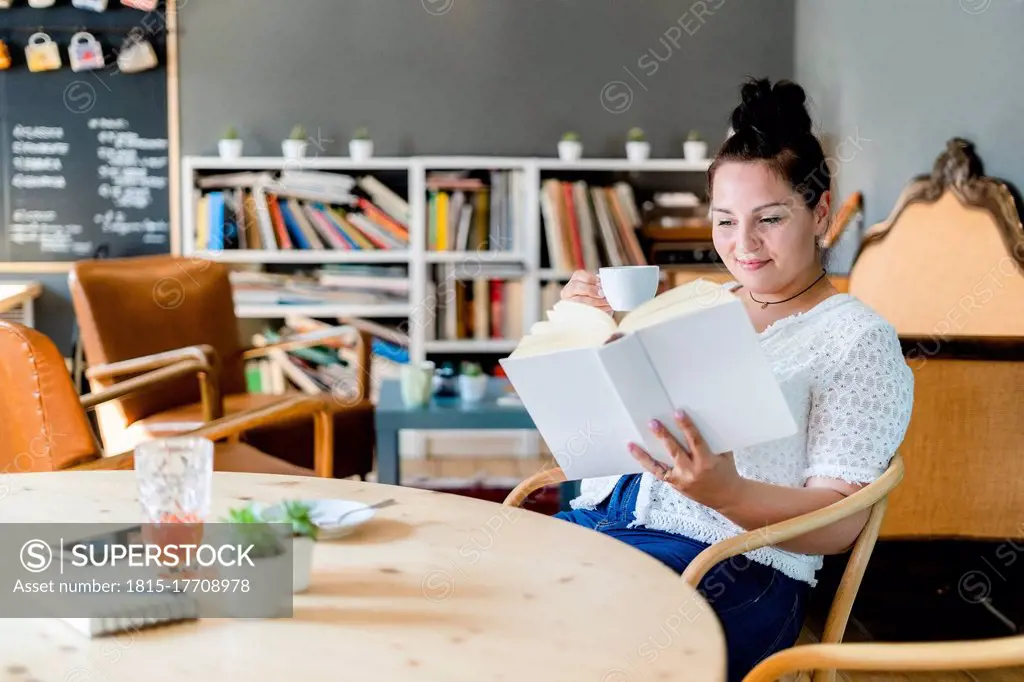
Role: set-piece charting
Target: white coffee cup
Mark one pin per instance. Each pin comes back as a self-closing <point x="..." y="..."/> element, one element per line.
<point x="627" y="286"/>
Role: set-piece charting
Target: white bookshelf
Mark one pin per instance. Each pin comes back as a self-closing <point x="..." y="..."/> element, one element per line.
<point x="527" y="235"/>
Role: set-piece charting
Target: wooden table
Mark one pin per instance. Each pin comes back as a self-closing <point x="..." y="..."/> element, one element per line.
<point x="436" y="587"/>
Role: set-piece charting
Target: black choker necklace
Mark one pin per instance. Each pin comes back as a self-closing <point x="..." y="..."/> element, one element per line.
<point x="765" y="304"/>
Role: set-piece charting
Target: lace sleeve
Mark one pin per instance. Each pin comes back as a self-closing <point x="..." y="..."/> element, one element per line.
<point x="860" y="409"/>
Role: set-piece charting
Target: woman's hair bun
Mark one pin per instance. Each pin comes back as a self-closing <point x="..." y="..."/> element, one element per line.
<point x="774" y="113"/>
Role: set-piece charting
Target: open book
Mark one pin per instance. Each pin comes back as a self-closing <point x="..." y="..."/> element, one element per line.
<point x="591" y="386"/>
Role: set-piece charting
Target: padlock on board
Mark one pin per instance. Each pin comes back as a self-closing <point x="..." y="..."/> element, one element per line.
<point x="91" y="5"/>
<point x="85" y="52"/>
<point x="137" y="54"/>
<point x="144" y="5"/>
<point x="42" y="53"/>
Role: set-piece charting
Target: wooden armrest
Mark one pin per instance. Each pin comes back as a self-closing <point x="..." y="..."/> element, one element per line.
<point x="299" y="406"/>
<point x="786" y="530"/>
<point x="535" y="482"/>
<point x="1003" y="652"/>
<point x="142" y="381"/>
<point x="323" y="423"/>
<point x="316" y="337"/>
<point x="205" y="363"/>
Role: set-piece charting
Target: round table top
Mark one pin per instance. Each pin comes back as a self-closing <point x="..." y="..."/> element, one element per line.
<point x="435" y="587"/>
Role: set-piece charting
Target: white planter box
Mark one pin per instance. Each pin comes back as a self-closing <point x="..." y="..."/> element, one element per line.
<point x="472" y="388"/>
<point x="638" y="151"/>
<point x="695" y="150"/>
<point x="360" y="150"/>
<point x="293" y="149"/>
<point x="570" y="150"/>
<point x="229" y="149"/>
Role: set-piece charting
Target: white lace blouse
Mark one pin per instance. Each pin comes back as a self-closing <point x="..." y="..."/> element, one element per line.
<point x="851" y="392"/>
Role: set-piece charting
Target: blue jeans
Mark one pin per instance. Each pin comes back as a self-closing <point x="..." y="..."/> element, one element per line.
<point x="760" y="609"/>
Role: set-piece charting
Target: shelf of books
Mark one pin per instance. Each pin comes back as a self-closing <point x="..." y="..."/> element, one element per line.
<point x="455" y="257"/>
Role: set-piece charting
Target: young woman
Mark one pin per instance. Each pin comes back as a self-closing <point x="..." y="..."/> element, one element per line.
<point x="838" y="362"/>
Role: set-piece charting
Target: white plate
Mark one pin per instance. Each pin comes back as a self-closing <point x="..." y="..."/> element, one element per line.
<point x="325" y="512"/>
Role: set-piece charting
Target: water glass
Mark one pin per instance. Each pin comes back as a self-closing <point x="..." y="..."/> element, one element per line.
<point x="174" y="476"/>
<point x="417" y="383"/>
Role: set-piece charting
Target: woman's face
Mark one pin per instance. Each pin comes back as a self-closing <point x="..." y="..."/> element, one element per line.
<point x="762" y="229"/>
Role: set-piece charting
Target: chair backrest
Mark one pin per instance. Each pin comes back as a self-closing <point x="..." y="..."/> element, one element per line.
<point x="131" y="307"/>
<point x="43" y="426"/>
<point x="946" y="269"/>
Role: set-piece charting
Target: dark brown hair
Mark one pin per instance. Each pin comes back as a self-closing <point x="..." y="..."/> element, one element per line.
<point x="771" y="125"/>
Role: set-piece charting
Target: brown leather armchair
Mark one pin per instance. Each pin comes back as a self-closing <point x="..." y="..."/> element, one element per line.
<point x="137" y="314"/>
<point x="44" y="425"/>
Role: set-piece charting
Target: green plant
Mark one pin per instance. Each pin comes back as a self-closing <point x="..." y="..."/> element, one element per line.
<point x="264" y="529"/>
<point x="250" y="528"/>
<point x="231" y="133"/>
<point x="471" y="369"/>
<point x="362" y="133"/>
<point x="298" y="133"/>
<point x="571" y="137"/>
<point x="636" y="135"/>
<point x="694" y="136"/>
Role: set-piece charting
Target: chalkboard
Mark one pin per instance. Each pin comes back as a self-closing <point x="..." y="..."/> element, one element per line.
<point x="83" y="155"/>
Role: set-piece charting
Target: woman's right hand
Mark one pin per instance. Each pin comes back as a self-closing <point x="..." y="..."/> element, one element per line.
<point x="585" y="288"/>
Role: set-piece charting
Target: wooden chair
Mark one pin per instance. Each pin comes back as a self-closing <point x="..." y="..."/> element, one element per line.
<point x="873" y="496"/>
<point x="44" y="425"/>
<point x="139" y="314"/>
<point x="946" y="269"/>
<point x="1004" y="652"/>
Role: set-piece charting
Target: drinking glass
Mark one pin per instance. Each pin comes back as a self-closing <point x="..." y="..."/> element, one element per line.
<point x="174" y="477"/>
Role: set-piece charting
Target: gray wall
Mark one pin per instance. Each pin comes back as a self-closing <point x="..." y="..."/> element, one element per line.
<point x="901" y="78"/>
<point x="473" y="76"/>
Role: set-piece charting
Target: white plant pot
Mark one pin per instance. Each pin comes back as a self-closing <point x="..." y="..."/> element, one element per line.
<point x="302" y="563"/>
<point x="570" y="150"/>
<point x="360" y="150"/>
<point x="637" y="151"/>
<point x="230" y="149"/>
<point x="472" y="389"/>
<point x="293" y="149"/>
<point x="695" y="150"/>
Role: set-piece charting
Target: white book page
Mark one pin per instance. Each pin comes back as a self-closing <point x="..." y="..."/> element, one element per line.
<point x="574" y="406"/>
<point x="712" y="366"/>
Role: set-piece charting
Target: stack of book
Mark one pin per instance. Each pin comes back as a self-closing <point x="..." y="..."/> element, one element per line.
<point x="677" y="227"/>
<point x="327" y="368"/>
<point x="587" y="227"/>
<point x="476" y="302"/>
<point x="299" y="210"/>
<point x="466" y="213"/>
<point x="341" y="284"/>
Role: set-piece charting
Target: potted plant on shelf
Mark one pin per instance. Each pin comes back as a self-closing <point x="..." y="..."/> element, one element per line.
<point x="569" y="147"/>
<point x="230" y="146"/>
<point x="472" y="382"/>
<point x="637" y="146"/>
<point x="256" y="527"/>
<point x="695" y="148"/>
<point x="295" y="146"/>
<point x="360" y="147"/>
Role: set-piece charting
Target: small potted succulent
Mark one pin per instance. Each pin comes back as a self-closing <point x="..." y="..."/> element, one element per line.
<point x="695" y="148"/>
<point x="360" y="147"/>
<point x="472" y="382"/>
<point x="637" y="146"/>
<point x="569" y="147"/>
<point x="230" y="146"/>
<point x="295" y="146"/>
<point x="261" y="529"/>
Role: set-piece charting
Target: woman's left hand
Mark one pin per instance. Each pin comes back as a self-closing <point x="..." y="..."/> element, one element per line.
<point x="697" y="473"/>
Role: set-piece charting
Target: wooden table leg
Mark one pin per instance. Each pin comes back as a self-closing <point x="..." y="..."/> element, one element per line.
<point x="388" y="465"/>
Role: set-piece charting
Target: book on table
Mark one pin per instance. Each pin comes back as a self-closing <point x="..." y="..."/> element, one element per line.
<point x="592" y="385"/>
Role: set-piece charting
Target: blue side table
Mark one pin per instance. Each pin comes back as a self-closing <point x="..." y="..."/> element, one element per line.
<point x="441" y="413"/>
